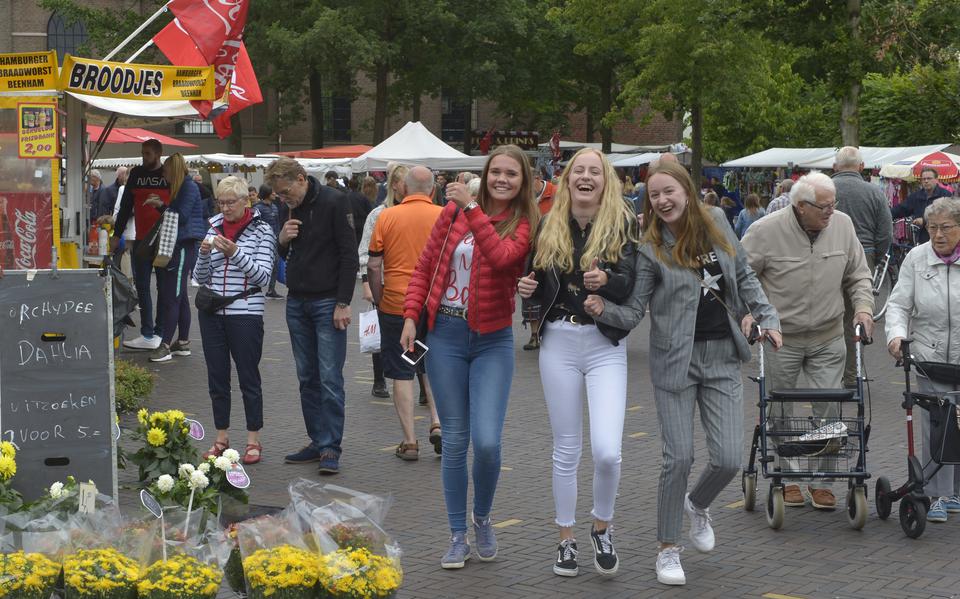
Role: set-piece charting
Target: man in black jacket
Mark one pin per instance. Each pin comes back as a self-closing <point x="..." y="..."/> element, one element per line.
<point x="918" y="201"/>
<point x="320" y="248"/>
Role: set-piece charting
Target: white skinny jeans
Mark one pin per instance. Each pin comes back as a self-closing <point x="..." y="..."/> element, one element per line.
<point x="570" y="356"/>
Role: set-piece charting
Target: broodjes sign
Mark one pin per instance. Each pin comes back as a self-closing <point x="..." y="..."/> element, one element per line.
<point x="135" y="81"/>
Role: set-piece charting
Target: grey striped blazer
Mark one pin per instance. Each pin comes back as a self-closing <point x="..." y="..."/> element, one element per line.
<point x="673" y="294"/>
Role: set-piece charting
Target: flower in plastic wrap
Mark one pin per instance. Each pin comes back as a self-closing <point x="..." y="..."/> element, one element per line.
<point x="204" y="467"/>
<point x="283" y="572"/>
<point x="359" y="574"/>
<point x="222" y="463"/>
<point x="56" y="490"/>
<point x="27" y="575"/>
<point x="156" y="437"/>
<point x="165" y="483"/>
<point x="8" y="467"/>
<point x="231" y="454"/>
<point x="180" y="577"/>
<point x="8" y="449"/>
<point x="100" y="574"/>
<point x="186" y="470"/>
<point x="199" y="480"/>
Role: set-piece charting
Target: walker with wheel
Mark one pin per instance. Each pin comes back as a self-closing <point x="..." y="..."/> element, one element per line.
<point x="945" y="443"/>
<point x="804" y="444"/>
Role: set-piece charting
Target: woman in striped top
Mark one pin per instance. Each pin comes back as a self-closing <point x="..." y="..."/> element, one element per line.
<point x="236" y="257"/>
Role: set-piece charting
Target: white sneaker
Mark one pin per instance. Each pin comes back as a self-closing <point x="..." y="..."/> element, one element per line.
<point x="143" y="343"/>
<point x="669" y="570"/>
<point x="701" y="533"/>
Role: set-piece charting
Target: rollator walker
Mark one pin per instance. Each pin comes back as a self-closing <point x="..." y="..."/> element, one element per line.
<point x="809" y="447"/>
<point x="944" y="442"/>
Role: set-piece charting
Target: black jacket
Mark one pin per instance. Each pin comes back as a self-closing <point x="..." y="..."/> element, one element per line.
<point x="620" y="278"/>
<point x="915" y="204"/>
<point x="322" y="260"/>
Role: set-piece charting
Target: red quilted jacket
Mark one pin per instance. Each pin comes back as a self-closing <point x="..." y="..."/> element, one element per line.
<point x="494" y="271"/>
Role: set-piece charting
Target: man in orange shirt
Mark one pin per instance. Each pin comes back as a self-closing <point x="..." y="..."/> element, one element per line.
<point x="398" y="239"/>
<point x="544" y="190"/>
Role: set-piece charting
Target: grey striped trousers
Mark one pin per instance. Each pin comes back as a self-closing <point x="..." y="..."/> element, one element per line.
<point x="714" y="385"/>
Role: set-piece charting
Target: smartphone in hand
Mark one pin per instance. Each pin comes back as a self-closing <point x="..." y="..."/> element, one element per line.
<point x="419" y="350"/>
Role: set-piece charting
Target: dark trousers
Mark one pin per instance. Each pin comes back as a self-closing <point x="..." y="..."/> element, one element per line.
<point x="173" y="301"/>
<point x="239" y="337"/>
<point x="142" y="269"/>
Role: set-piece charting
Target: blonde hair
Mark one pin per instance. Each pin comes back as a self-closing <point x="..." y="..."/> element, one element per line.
<point x="698" y="233"/>
<point x="232" y="184"/>
<point x="369" y="188"/>
<point x="612" y="225"/>
<point x="285" y="168"/>
<point x="523" y="205"/>
<point x="178" y="172"/>
<point x="395" y="174"/>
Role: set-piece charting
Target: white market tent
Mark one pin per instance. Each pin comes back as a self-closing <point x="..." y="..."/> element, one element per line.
<point x="903" y="169"/>
<point x="636" y="160"/>
<point x="822" y="158"/>
<point x="413" y="144"/>
<point x="614" y="148"/>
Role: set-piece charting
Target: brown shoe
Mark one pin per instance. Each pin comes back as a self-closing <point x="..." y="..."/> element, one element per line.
<point x="792" y="497"/>
<point x="822" y="499"/>
<point x="408" y="451"/>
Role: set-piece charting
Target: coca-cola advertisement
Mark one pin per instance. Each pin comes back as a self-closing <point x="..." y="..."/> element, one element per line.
<point x="26" y="230"/>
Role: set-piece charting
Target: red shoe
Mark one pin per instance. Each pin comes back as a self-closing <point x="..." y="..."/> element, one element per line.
<point x="251" y="455"/>
<point x="217" y="450"/>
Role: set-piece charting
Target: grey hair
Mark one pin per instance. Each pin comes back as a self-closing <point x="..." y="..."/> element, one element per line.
<point x="848" y="158"/>
<point x="420" y="180"/>
<point x="232" y="184"/>
<point x="95" y="173"/>
<point x="949" y="207"/>
<point x="805" y="189"/>
<point x="786" y="185"/>
<point x="473" y="186"/>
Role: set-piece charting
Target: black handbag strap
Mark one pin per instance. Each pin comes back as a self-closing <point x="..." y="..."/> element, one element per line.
<point x="443" y="247"/>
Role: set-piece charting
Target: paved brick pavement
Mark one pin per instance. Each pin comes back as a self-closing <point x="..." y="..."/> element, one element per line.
<point x="815" y="555"/>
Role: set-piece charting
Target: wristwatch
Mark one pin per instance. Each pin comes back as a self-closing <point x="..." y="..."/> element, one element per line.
<point x="470" y="206"/>
<point x="342" y="305"/>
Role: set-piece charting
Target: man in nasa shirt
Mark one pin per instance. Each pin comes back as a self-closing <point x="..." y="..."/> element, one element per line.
<point x="143" y="182"/>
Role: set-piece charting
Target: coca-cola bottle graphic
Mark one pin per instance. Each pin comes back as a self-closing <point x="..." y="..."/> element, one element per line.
<point x="6" y="236"/>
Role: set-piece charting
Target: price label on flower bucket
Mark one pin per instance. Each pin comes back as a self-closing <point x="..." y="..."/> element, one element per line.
<point x="87" y="498"/>
<point x="150" y="502"/>
<point x="196" y="429"/>
<point x="237" y="477"/>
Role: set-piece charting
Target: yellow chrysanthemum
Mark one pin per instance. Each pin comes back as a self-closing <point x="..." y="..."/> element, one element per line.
<point x="8" y="467"/>
<point x="7" y="448"/>
<point x="142" y="415"/>
<point x="156" y="437"/>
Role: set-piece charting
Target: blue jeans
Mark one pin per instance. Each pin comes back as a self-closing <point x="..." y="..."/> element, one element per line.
<point x="470" y="374"/>
<point x="319" y="350"/>
<point x="142" y="269"/>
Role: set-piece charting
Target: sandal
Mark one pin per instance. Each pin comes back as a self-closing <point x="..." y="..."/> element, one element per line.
<point x="408" y="451"/>
<point x="436" y="438"/>
<point x="251" y="454"/>
<point x="217" y="450"/>
<point x="533" y="344"/>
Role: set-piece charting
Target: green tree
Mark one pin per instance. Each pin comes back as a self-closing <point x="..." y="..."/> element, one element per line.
<point x="917" y="107"/>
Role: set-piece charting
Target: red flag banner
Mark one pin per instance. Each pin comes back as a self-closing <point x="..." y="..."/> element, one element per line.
<point x="210" y="23"/>
<point x="244" y="92"/>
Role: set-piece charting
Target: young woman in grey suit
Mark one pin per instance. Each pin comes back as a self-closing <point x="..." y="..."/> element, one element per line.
<point x="585" y="245"/>
<point x="693" y="275"/>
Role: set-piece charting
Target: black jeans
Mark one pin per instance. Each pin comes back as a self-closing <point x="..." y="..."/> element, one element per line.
<point x="239" y="337"/>
<point x="173" y="301"/>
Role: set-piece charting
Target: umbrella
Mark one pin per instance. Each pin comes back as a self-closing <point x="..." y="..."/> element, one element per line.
<point x="135" y="135"/>
<point x="947" y="167"/>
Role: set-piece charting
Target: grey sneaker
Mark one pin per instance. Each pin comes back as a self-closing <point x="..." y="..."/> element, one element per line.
<point x="458" y="552"/>
<point x="180" y="347"/>
<point x="161" y="354"/>
<point x="486" y="539"/>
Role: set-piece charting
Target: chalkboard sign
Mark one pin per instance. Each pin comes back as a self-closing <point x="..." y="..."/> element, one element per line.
<point x="56" y="378"/>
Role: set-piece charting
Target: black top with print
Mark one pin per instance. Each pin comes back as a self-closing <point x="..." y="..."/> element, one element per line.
<point x="572" y="292"/>
<point x="712" y="320"/>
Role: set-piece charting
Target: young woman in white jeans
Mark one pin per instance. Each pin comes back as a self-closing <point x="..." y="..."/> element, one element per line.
<point x="586" y="246"/>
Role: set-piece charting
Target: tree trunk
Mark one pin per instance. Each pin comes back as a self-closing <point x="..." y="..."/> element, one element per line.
<point x="589" y="126"/>
<point x="235" y="140"/>
<point x="606" y="103"/>
<point x="468" y="128"/>
<point x="850" y="104"/>
<point x="316" y="109"/>
<point x="696" y="158"/>
<point x="380" y="110"/>
<point x="415" y="116"/>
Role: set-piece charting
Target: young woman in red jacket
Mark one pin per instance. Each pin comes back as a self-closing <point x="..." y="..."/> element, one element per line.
<point x="470" y="306"/>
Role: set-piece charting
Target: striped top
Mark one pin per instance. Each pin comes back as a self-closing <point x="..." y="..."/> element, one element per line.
<point x="250" y="266"/>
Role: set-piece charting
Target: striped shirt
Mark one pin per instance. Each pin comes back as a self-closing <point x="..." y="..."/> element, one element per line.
<point x="250" y="266"/>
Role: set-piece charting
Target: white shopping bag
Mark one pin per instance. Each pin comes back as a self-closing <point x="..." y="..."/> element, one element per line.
<point x="369" y="332"/>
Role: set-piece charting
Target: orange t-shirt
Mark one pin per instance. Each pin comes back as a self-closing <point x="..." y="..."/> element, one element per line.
<point x="545" y="199"/>
<point x="399" y="236"/>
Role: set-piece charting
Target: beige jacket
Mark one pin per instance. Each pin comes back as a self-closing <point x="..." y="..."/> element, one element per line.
<point x="805" y="281"/>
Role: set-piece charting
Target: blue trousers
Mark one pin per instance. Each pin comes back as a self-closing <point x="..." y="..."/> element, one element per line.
<point x="239" y="337"/>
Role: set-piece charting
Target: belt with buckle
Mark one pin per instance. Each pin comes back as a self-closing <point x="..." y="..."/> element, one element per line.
<point x="452" y="311"/>
<point x="572" y="318"/>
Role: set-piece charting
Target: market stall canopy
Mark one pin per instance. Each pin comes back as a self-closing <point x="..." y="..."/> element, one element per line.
<point x="947" y="166"/>
<point x="878" y="157"/>
<point x="636" y="159"/>
<point x="129" y="135"/>
<point x="314" y="167"/>
<point x="413" y="144"/>
<point x="331" y="152"/>
<point x="154" y="108"/>
<point x="822" y="158"/>
<point x="614" y="148"/>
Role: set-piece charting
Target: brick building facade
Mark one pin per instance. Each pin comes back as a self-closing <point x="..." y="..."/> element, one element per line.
<point x="24" y="27"/>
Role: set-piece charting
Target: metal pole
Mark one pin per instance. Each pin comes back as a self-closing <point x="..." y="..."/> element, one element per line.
<point x="137" y="32"/>
<point x="138" y="52"/>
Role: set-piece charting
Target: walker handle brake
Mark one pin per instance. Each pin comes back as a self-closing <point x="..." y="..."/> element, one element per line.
<point x="755" y="334"/>
<point x="859" y="333"/>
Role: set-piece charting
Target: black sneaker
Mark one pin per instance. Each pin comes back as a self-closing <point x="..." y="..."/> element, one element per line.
<point x="604" y="555"/>
<point x="380" y="390"/>
<point x="566" y="564"/>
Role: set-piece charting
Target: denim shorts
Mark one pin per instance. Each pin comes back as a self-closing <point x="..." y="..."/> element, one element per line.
<point x="394" y="366"/>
